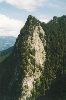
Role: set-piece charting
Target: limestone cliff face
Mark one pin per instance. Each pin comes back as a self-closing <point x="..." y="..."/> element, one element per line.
<point x="28" y="72"/>
<point x="31" y="68"/>
<point x="30" y="47"/>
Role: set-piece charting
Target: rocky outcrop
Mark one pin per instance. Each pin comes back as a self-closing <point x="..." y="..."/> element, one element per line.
<point x="32" y="53"/>
<point x="37" y="62"/>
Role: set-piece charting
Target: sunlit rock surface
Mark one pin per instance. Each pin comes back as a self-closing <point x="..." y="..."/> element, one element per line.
<point x="32" y="58"/>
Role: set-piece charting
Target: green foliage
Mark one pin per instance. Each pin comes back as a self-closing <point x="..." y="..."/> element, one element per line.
<point x="5" y="53"/>
<point x="13" y="67"/>
<point x="55" y="48"/>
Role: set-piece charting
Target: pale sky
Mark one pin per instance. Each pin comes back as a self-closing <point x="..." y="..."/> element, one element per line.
<point x="13" y="13"/>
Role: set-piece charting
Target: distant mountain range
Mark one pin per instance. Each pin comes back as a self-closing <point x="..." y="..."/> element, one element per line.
<point x="6" y="42"/>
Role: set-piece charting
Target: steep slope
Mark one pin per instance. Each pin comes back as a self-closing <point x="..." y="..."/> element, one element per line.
<point x="57" y="90"/>
<point x="24" y="68"/>
<point x="55" y="48"/>
<point x="37" y="64"/>
<point x="30" y="45"/>
<point x="5" y="53"/>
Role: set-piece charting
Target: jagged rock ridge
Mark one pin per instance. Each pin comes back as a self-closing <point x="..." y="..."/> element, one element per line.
<point x="24" y="68"/>
<point x="35" y="63"/>
<point x="32" y="56"/>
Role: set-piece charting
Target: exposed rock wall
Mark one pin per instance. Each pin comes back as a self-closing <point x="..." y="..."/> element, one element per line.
<point x="33" y="62"/>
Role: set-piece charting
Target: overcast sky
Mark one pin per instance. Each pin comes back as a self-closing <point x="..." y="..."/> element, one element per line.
<point x="13" y="13"/>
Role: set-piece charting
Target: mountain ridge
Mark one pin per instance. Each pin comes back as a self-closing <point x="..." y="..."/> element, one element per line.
<point x="36" y="61"/>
